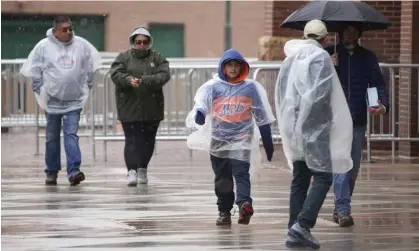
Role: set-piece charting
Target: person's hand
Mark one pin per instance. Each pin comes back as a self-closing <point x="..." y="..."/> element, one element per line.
<point x="200" y="116"/>
<point x="335" y="59"/>
<point x="36" y="84"/>
<point x="135" y="82"/>
<point x="375" y="111"/>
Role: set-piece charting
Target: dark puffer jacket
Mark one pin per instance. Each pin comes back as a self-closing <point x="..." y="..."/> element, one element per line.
<point x="357" y="72"/>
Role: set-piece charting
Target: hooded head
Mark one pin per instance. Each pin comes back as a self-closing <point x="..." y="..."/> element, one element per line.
<point x="233" y="67"/>
<point x="62" y="30"/>
<point x="141" y="41"/>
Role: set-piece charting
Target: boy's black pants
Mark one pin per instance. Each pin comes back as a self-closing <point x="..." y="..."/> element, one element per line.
<point x="225" y="169"/>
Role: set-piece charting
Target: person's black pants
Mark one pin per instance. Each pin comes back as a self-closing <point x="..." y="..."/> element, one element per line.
<point x="140" y="139"/>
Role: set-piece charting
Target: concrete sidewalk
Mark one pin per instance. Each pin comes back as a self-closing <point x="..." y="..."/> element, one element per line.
<point x="177" y="210"/>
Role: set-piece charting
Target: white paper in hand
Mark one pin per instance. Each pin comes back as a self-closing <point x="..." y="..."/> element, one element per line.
<point x="372" y="97"/>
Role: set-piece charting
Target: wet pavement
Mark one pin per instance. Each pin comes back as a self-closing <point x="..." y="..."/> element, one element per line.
<point x="177" y="211"/>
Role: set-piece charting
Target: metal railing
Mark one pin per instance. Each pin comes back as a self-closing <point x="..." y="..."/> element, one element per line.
<point x="391" y="133"/>
<point x="178" y="93"/>
<point x="99" y="121"/>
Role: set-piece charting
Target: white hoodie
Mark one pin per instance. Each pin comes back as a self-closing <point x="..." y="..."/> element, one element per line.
<point x="61" y="74"/>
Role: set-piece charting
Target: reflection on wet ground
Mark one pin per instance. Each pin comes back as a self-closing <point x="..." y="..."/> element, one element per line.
<point x="177" y="210"/>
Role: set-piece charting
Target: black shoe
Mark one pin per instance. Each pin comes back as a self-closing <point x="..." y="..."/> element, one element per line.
<point x="246" y="211"/>
<point x="51" y="179"/>
<point x="345" y="219"/>
<point x="224" y="219"/>
<point x="76" y="178"/>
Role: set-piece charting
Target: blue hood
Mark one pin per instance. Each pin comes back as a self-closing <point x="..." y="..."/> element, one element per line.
<point x="229" y="55"/>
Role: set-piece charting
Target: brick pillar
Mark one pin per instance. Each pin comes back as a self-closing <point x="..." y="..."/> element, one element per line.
<point x="269" y="24"/>
<point x="409" y="53"/>
<point x="385" y="43"/>
<point x="271" y="45"/>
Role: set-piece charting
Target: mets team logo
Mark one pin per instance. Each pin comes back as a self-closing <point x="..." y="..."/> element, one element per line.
<point x="65" y="62"/>
<point x="232" y="109"/>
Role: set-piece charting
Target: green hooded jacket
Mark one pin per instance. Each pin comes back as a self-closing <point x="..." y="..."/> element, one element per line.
<point x="145" y="102"/>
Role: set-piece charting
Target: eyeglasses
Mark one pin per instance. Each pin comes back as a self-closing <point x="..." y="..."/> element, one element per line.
<point x="140" y="42"/>
<point x="67" y="29"/>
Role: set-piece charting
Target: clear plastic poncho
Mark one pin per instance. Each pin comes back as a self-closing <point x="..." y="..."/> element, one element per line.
<point x="233" y="114"/>
<point x="61" y="73"/>
<point x="313" y="115"/>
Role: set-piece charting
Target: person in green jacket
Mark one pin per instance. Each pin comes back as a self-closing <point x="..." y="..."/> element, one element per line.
<point x="139" y="75"/>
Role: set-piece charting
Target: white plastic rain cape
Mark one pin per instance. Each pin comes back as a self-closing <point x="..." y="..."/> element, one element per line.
<point x="313" y="115"/>
<point x="233" y="114"/>
<point x="61" y="74"/>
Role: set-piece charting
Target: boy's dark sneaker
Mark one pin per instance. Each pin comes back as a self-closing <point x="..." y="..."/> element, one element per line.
<point x="246" y="211"/>
<point x="76" y="178"/>
<point x="224" y="219"/>
<point x="345" y="219"/>
<point x="51" y="179"/>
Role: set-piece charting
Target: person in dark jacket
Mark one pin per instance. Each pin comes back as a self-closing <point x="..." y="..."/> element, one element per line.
<point x="358" y="70"/>
<point x="139" y="75"/>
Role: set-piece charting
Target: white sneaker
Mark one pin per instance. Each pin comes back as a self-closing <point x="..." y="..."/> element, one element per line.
<point x="142" y="176"/>
<point x="303" y="236"/>
<point x="132" y="178"/>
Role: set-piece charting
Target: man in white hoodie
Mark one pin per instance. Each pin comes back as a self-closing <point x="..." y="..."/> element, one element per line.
<point x="316" y="128"/>
<point x="60" y="69"/>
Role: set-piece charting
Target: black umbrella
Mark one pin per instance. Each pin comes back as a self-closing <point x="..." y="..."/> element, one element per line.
<point x="337" y="15"/>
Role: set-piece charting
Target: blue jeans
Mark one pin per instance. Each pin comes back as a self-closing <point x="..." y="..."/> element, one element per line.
<point x="70" y="122"/>
<point x="304" y="208"/>
<point x="344" y="184"/>
<point x="224" y="170"/>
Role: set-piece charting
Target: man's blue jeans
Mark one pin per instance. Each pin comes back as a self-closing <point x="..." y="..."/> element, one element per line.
<point x="305" y="205"/>
<point x="344" y="184"/>
<point x="70" y="122"/>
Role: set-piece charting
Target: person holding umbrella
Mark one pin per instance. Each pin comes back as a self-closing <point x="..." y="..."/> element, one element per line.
<point x="358" y="70"/>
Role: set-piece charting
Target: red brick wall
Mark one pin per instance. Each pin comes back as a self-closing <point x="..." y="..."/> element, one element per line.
<point x="269" y="24"/>
<point x="386" y="45"/>
<point x="281" y="10"/>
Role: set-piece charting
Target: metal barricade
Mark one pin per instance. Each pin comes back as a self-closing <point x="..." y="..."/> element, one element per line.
<point x="268" y="77"/>
<point x="186" y="78"/>
<point x="99" y="121"/>
<point x="391" y="133"/>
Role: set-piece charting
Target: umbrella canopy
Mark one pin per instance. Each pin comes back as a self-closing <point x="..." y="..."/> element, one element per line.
<point x="337" y="15"/>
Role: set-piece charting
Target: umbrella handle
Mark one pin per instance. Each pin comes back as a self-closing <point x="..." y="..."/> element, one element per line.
<point x="335" y="43"/>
